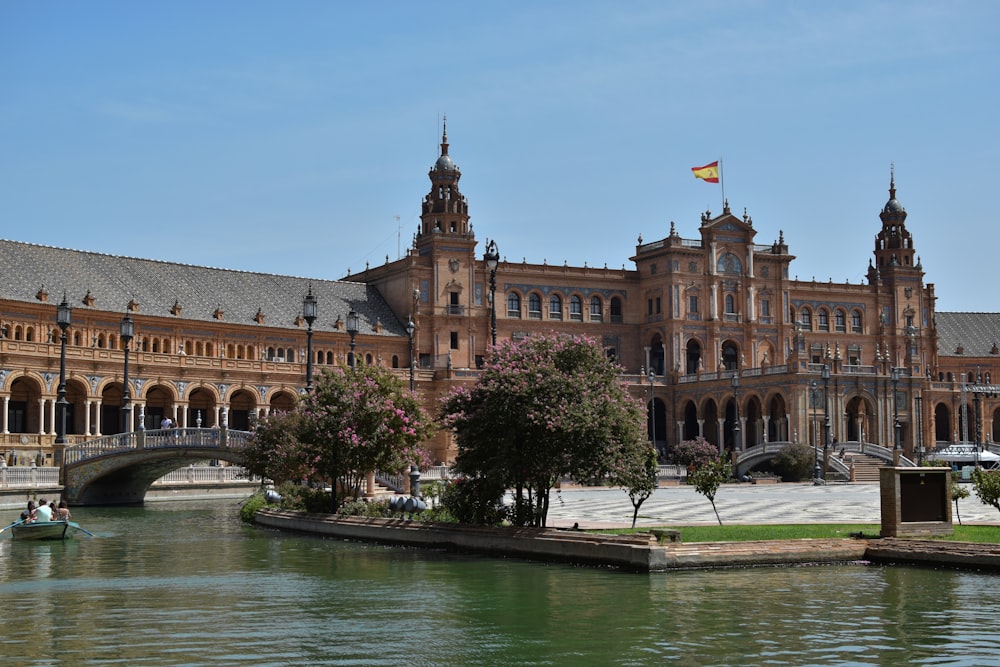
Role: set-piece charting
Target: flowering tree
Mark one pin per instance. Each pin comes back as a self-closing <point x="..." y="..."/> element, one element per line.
<point x="545" y="408"/>
<point x="354" y="422"/>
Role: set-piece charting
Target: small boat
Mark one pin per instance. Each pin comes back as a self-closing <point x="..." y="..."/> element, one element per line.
<point x="44" y="530"/>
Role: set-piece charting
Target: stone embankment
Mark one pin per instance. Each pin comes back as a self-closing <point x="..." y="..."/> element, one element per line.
<point x="643" y="552"/>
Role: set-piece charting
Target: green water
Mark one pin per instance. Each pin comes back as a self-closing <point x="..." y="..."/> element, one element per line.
<point x="186" y="584"/>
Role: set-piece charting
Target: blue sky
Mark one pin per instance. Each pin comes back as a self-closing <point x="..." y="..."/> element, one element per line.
<point x="286" y="137"/>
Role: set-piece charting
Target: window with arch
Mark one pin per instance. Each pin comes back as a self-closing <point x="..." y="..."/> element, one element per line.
<point x="806" y="319"/>
<point x="368" y="359"/>
<point x="534" y="306"/>
<point x="730" y="304"/>
<point x="856" y="322"/>
<point x="576" y="308"/>
<point x="596" y="309"/>
<point x="824" y="319"/>
<point x="730" y="263"/>
<point x="514" y="305"/>
<point x="617" y="317"/>
<point x="840" y="321"/>
<point x="555" y="307"/>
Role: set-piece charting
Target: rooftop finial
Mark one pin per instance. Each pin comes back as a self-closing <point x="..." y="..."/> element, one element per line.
<point x="444" y="135"/>
<point x="892" y="180"/>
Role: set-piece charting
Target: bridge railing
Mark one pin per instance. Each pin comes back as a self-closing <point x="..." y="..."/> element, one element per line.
<point x="173" y="438"/>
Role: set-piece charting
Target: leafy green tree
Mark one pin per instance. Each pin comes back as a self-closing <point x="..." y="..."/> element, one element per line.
<point x="957" y="493"/>
<point x="354" y="422"/>
<point x="987" y="485"/>
<point x="642" y="484"/>
<point x="707" y="478"/>
<point x="274" y="451"/>
<point x="545" y="408"/>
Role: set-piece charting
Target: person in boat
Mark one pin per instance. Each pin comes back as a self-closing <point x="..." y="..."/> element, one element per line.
<point x="62" y="512"/>
<point x="44" y="512"/>
<point x="31" y="513"/>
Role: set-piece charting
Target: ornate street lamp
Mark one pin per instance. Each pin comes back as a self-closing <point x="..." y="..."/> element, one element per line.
<point x="492" y="259"/>
<point x="410" y="328"/>
<point x="826" y="417"/>
<point x="127" y="333"/>
<point x="63" y="313"/>
<point x="897" y="443"/>
<point x="737" y="442"/>
<point x="352" y="329"/>
<point x="652" y="408"/>
<point x="814" y="399"/>
<point x="920" y="429"/>
<point x="310" y="309"/>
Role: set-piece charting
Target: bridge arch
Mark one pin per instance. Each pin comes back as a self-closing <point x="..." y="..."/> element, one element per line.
<point x="119" y="469"/>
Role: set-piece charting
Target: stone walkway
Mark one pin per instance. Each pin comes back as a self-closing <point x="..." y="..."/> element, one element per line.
<point x="737" y="503"/>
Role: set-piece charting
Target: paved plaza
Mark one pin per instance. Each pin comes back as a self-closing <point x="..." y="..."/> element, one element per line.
<point x="738" y="503"/>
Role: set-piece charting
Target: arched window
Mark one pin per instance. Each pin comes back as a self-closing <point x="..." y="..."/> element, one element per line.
<point x="596" y="309"/>
<point x="368" y="359"/>
<point x="514" y="305"/>
<point x="840" y="321"/>
<point x="856" y="322"/>
<point x="616" y="310"/>
<point x="555" y="307"/>
<point x="824" y="319"/>
<point x="329" y="357"/>
<point x="534" y="306"/>
<point x="730" y="263"/>
<point x="576" y="308"/>
<point x="806" y="319"/>
<point x="730" y="305"/>
<point x="395" y="361"/>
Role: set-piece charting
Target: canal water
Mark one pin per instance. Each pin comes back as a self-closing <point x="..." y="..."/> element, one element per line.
<point x="173" y="584"/>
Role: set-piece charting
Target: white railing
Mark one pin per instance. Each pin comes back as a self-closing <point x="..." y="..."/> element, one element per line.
<point x="25" y="477"/>
<point x="208" y="475"/>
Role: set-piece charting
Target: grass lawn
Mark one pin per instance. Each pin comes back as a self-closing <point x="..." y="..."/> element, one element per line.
<point x="741" y="533"/>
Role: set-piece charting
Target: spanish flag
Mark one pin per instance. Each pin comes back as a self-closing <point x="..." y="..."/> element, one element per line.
<point x="709" y="173"/>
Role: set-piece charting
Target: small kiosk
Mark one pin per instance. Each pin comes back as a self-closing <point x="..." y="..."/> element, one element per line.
<point x="915" y="501"/>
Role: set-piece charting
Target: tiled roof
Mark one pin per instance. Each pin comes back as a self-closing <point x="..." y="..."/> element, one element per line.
<point x="200" y="291"/>
<point x="978" y="334"/>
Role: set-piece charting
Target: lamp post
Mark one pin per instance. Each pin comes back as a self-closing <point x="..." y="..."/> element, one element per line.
<point x="652" y="408"/>
<point x="127" y="332"/>
<point x="826" y="417"/>
<point x="63" y="313"/>
<point x="352" y="330"/>
<point x="492" y="259"/>
<point x="896" y="426"/>
<point x="814" y="396"/>
<point x="310" y="309"/>
<point x="920" y="429"/>
<point x="737" y="443"/>
<point x="410" y="328"/>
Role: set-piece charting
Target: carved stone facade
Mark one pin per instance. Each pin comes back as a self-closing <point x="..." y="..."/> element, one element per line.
<point x="692" y="312"/>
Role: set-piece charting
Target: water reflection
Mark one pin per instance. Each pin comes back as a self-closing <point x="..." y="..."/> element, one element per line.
<point x="188" y="585"/>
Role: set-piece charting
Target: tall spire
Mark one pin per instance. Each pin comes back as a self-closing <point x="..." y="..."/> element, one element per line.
<point x="444" y="136"/>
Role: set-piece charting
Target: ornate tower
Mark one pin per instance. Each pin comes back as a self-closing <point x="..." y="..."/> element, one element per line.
<point x="893" y="244"/>
<point x="445" y="210"/>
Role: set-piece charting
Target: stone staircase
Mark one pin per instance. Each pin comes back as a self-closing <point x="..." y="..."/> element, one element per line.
<point x="865" y="466"/>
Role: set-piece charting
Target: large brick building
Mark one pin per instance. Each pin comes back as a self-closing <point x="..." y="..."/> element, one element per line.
<point x="216" y="345"/>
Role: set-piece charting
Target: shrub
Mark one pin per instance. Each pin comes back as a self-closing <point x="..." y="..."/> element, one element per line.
<point x="475" y="501"/>
<point x="695" y="452"/>
<point x="371" y="508"/>
<point x="251" y="506"/>
<point x="794" y="462"/>
<point x="304" y="498"/>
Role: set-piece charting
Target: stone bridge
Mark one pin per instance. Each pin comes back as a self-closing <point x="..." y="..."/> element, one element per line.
<point x="118" y="469"/>
<point x="753" y="456"/>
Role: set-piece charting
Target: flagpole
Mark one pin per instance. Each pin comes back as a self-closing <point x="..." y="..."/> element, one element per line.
<point x="722" y="182"/>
